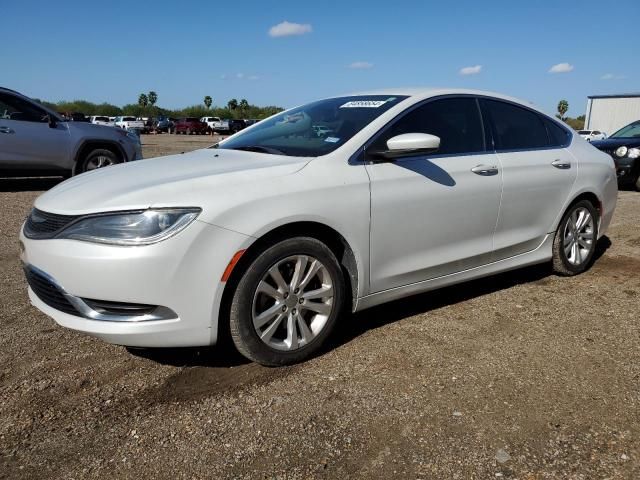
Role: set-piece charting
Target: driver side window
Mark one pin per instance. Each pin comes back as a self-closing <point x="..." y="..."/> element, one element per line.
<point x="15" y="108"/>
<point x="455" y="120"/>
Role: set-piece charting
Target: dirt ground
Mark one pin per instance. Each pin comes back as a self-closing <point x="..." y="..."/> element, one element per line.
<point x="523" y="375"/>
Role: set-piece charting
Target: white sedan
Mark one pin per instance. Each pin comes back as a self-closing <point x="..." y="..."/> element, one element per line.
<point x="590" y="135"/>
<point x="275" y="234"/>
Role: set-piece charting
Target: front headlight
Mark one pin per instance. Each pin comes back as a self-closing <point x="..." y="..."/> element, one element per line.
<point x="621" y="151"/>
<point x="131" y="228"/>
<point x="633" y="153"/>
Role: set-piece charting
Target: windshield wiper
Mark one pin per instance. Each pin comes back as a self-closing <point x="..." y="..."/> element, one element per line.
<point x="259" y="149"/>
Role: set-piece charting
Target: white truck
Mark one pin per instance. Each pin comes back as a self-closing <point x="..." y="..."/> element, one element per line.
<point x="216" y="124"/>
<point x="101" y="120"/>
<point x="129" y="123"/>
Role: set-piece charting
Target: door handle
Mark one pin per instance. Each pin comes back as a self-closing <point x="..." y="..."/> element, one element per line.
<point x="561" y="164"/>
<point x="6" y="130"/>
<point x="485" y="170"/>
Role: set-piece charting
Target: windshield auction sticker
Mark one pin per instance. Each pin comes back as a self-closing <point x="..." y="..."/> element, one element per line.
<point x="364" y="104"/>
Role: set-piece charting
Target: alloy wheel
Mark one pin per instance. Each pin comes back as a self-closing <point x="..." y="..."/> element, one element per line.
<point x="578" y="239"/>
<point x="98" y="161"/>
<point x="293" y="302"/>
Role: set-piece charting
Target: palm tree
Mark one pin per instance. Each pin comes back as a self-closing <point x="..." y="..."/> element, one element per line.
<point x="563" y="107"/>
<point x="143" y="100"/>
<point x="243" y="105"/>
<point x="153" y="98"/>
<point x="232" y="104"/>
<point x="208" y="101"/>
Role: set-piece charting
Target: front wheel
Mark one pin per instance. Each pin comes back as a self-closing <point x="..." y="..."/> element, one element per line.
<point x="575" y="239"/>
<point x="98" y="158"/>
<point x="287" y="302"/>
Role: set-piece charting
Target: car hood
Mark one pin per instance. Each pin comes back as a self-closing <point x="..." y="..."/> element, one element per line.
<point x="613" y="143"/>
<point x="191" y="180"/>
<point x="92" y="129"/>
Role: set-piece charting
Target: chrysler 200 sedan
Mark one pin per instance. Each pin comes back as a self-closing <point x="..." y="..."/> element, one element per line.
<point x="274" y="233"/>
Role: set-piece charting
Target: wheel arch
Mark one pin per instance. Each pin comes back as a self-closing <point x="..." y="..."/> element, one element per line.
<point x="335" y="241"/>
<point x="87" y="145"/>
<point x="579" y="196"/>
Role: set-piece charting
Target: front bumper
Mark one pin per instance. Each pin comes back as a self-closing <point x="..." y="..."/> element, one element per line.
<point x="182" y="274"/>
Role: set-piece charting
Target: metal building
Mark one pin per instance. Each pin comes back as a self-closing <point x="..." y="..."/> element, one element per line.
<point x="609" y="113"/>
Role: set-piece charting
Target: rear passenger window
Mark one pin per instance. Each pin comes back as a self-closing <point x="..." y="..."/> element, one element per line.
<point x="515" y="128"/>
<point x="455" y="120"/>
<point x="558" y="136"/>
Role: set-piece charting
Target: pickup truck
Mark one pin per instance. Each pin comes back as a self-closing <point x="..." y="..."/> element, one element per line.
<point x="216" y="124"/>
<point x="129" y="123"/>
<point x="100" y="120"/>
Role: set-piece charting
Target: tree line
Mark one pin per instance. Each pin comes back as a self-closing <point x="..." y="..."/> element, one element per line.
<point x="147" y="107"/>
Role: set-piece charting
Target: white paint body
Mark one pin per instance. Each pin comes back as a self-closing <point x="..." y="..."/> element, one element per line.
<point x="409" y="233"/>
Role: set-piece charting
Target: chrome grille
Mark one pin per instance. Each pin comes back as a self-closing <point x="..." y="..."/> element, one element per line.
<point x="42" y="225"/>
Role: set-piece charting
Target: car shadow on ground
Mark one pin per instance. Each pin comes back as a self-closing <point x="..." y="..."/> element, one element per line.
<point x="28" y="184"/>
<point x="353" y="325"/>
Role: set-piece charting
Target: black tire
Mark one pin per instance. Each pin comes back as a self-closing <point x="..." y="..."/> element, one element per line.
<point x="242" y="330"/>
<point x="93" y="157"/>
<point x="561" y="264"/>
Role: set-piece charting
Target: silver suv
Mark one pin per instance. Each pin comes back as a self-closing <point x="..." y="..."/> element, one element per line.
<point x="37" y="141"/>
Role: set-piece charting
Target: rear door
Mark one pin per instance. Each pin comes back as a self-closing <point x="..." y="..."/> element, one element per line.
<point x="26" y="139"/>
<point x="537" y="174"/>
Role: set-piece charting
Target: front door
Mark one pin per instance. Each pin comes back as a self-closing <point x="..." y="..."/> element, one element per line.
<point x="26" y="139"/>
<point x="433" y="215"/>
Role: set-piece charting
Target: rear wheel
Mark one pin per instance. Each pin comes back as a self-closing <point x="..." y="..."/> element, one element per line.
<point x="287" y="302"/>
<point x="98" y="158"/>
<point x="575" y="239"/>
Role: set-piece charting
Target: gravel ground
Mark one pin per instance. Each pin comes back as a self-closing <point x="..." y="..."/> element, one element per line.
<point x="523" y="375"/>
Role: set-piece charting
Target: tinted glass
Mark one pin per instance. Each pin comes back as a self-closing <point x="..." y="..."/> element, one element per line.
<point x="455" y="120"/>
<point x="515" y="128"/>
<point x="15" y="108"/>
<point x="558" y="136"/>
<point x="630" y="131"/>
<point x="295" y="132"/>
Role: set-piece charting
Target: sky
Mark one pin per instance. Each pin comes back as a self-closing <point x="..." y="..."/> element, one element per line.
<point x="286" y="53"/>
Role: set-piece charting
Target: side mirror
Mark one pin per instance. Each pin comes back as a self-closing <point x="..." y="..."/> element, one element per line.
<point x="408" y="145"/>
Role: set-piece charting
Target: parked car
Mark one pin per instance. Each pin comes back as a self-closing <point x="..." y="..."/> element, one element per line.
<point x="37" y="141"/>
<point x="590" y="135"/>
<point x="129" y="123"/>
<point x="322" y="130"/>
<point x="189" y="125"/>
<point x="250" y="121"/>
<point x="624" y="148"/>
<point x="275" y="233"/>
<point x="163" y="124"/>
<point x="216" y="124"/>
<point x="100" y="120"/>
<point x="235" y="125"/>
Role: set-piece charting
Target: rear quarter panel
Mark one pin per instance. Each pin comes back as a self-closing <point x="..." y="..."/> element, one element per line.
<point x="597" y="175"/>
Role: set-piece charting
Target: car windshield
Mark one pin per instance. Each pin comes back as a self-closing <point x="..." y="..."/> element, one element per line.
<point x="584" y="132"/>
<point x="630" y="131"/>
<point x="314" y="129"/>
<point x="129" y="119"/>
<point x="102" y="119"/>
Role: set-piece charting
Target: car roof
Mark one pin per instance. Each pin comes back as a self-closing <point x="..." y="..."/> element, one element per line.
<point x="418" y="93"/>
